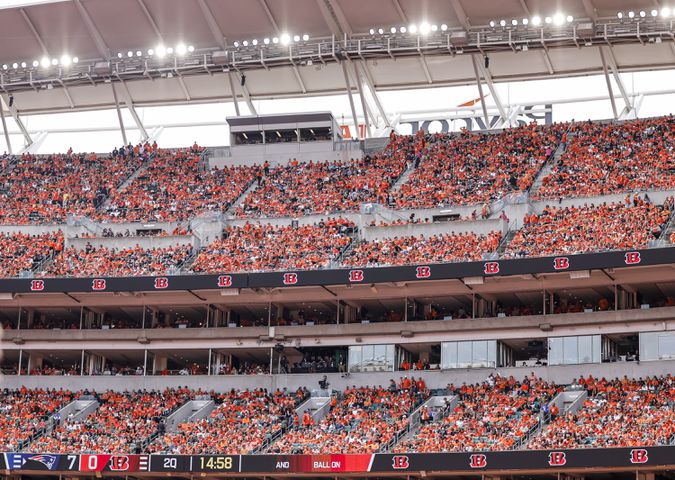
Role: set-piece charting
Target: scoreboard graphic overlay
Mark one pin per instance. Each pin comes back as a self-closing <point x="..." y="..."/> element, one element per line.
<point x="527" y="460"/>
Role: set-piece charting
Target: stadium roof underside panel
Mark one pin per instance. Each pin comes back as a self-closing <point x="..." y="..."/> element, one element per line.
<point x="338" y="31"/>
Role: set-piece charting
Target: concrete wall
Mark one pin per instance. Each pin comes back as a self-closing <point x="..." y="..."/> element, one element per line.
<point x="147" y="243"/>
<point x="657" y="196"/>
<point x="429" y="229"/>
<point x="434" y="379"/>
<point x="282" y="153"/>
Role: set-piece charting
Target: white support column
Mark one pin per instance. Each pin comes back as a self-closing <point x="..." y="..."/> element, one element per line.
<point x="247" y="94"/>
<point x="479" y="83"/>
<point x="15" y="115"/>
<point x="611" y="60"/>
<point x="493" y="91"/>
<point x="4" y="128"/>
<point x="126" y="96"/>
<point x="119" y="115"/>
<point x="364" y="106"/>
<point x="609" y="84"/>
<point x="351" y="98"/>
<point x="234" y="93"/>
<point x="376" y="97"/>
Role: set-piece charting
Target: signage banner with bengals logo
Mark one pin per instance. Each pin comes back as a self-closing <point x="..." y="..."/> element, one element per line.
<point x="541" y="462"/>
<point x="408" y="273"/>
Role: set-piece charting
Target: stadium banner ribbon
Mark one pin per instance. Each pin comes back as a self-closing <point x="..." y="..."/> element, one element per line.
<point x="521" y="460"/>
<point x="327" y="277"/>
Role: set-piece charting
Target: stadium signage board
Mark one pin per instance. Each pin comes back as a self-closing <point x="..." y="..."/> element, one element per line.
<point x="303" y="278"/>
<point x="518" y="460"/>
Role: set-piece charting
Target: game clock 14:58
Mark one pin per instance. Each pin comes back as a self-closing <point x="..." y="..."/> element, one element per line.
<point x="215" y="463"/>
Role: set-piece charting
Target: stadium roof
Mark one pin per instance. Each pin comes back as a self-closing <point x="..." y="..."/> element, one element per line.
<point x="94" y="30"/>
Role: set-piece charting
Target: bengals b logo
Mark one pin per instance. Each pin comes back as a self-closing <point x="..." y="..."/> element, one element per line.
<point x="490" y="268"/>
<point x="632" y="258"/>
<point x="638" y="455"/>
<point x="224" y="281"/>
<point x="557" y="458"/>
<point x="356" y="275"/>
<point x="561" y="263"/>
<point x="400" y="462"/>
<point x="161" y="283"/>
<point x="423" y="271"/>
<point x="98" y="284"/>
<point x="477" y="460"/>
<point x="37" y="285"/>
<point x="119" y="463"/>
<point x="290" y="278"/>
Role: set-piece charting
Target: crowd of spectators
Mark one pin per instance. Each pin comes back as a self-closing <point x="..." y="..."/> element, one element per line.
<point x="241" y="423"/>
<point x="255" y="247"/>
<point x="177" y="185"/>
<point x="362" y="421"/>
<point x="303" y="188"/>
<point x="589" y="228"/>
<point x="617" y="413"/>
<point x="47" y="188"/>
<point x="121" y="424"/>
<point x="475" y="168"/>
<point x="420" y="249"/>
<point x="20" y="252"/>
<point x="494" y="415"/>
<point x="25" y="412"/>
<point x="604" y="158"/>
<point x="134" y="261"/>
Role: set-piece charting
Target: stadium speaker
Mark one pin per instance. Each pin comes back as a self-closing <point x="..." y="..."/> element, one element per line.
<point x="219" y="58"/>
<point x="487" y="61"/>
<point x="243" y="79"/>
<point x="279" y="348"/>
<point x="585" y="30"/>
<point x="459" y="39"/>
<point x="102" y="68"/>
<point x="11" y="100"/>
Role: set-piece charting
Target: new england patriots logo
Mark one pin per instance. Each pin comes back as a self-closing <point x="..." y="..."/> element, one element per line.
<point x="48" y="461"/>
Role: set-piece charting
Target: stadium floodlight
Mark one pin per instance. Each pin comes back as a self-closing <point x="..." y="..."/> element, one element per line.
<point x="548" y="20"/>
<point x="5" y="66"/>
<point x="502" y="23"/>
<point x="275" y="40"/>
<point x="236" y="44"/>
<point x="392" y="29"/>
<point x="403" y="29"/>
<point x="285" y="38"/>
<point x="138" y="53"/>
<point x="371" y="31"/>
<point x="23" y="64"/>
<point x="35" y="63"/>
<point x="444" y="27"/>
<point x="536" y="20"/>
<point x="191" y="48"/>
<point x="119" y="55"/>
<point x="654" y="12"/>
<point x="65" y="60"/>
<point x="425" y="28"/>
<point x="130" y="54"/>
<point x="55" y="61"/>
<point x="558" y="19"/>
<point x="526" y="21"/>
<point x="254" y="42"/>
<point x="296" y="38"/>
<point x="76" y="59"/>
<point x="151" y="51"/>
<point x="44" y="62"/>
<point x="643" y="14"/>
<point x="619" y="15"/>
<point x="169" y="50"/>
<point x="570" y="18"/>
<point x="181" y="49"/>
<point x="412" y="29"/>
<point x="245" y="43"/>
<point x="305" y="37"/>
<point x="266" y="40"/>
<point x="434" y="28"/>
<point x="665" y="12"/>
<point x="514" y="22"/>
<point x="631" y="14"/>
<point x="160" y="51"/>
<point x="492" y="23"/>
<point x="15" y="65"/>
